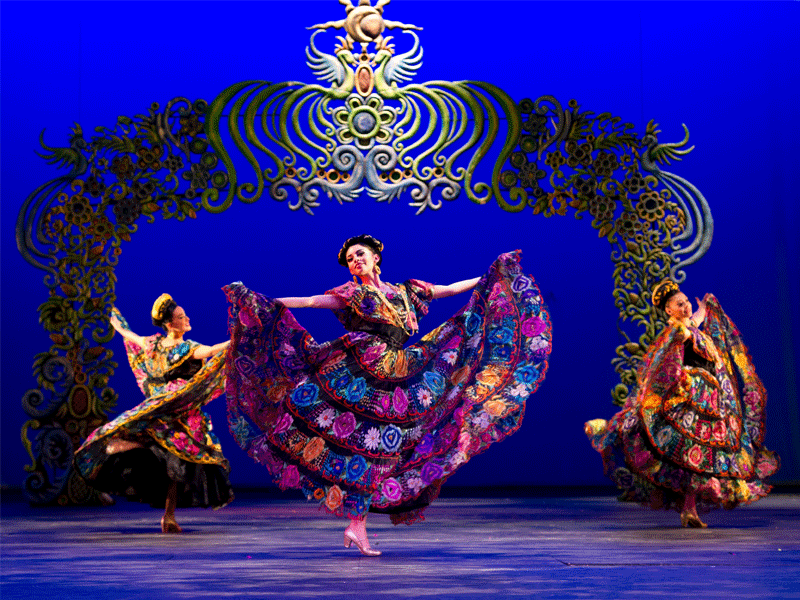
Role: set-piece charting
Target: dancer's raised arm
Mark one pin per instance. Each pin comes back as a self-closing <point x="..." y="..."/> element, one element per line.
<point x="126" y="333"/>
<point x="700" y="314"/>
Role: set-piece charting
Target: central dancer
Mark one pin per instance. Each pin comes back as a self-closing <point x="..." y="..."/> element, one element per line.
<point x="364" y="424"/>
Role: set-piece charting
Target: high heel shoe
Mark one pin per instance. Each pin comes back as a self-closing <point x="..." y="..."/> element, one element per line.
<point x="170" y="525"/>
<point x="692" y="520"/>
<point x="350" y="536"/>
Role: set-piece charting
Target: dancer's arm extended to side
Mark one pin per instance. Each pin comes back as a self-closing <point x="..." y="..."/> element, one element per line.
<point x="199" y="352"/>
<point x="334" y="303"/>
<point x="322" y="301"/>
<point x="443" y="291"/>
<point x="207" y="351"/>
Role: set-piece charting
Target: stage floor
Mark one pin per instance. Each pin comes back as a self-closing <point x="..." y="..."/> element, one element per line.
<point x="263" y="547"/>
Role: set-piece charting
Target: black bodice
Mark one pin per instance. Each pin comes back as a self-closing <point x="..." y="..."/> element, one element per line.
<point x="691" y="358"/>
<point x="394" y="336"/>
<point x="186" y="370"/>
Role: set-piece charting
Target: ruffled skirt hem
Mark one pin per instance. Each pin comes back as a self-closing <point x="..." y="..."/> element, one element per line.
<point x="145" y="474"/>
<point x="654" y="481"/>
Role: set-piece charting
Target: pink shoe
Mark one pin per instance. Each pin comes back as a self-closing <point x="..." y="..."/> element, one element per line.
<point x="363" y="545"/>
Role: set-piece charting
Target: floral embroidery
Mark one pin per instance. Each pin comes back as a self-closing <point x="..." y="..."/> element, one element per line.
<point x="283" y="423"/>
<point x="495" y="408"/>
<point x="415" y="484"/>
<point x="434" y="381"/>
<point x="391" y="489"/>
<point x="356" y="467"/>
<point x="430" y="473"/>
<point x="373" y="439"/>
<point x="325" y="418"/>
<point x="356" y="389"/>
<point x="501" y="335"/>
<point x="519" y="391"/>
<point x="425" y="396"/>
<point x="450" y="357"/>
<point x="391" y="438"/>
<point x="400" y="401"/>
<point x="533" y="327"/>
<point x="425" y="445"/>
<point x="305" y="394"/>
<point x="334" y="498"/>
<point x="344" y="425"/>
<point x="313" y="449"/>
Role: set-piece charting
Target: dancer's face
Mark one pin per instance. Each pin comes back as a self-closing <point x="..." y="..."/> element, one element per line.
<point x="679" y="306"/>
<point x="180" y="321"/>
<point x="361" y="260"/>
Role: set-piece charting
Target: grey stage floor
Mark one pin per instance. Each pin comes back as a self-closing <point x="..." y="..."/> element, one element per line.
<point x="260" y="547"/>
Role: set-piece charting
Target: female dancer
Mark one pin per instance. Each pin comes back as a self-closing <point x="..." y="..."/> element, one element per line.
<point x="163" y="451"/>
<point x="692" y="432"/>
<point x="363" y="424"/>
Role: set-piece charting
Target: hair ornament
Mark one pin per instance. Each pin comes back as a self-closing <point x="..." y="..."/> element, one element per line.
<point x="157" y="312"/>
<point x="663" y="291"/>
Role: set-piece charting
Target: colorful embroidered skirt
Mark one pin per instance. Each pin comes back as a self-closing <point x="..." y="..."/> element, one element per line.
<point x="360" y="426"/>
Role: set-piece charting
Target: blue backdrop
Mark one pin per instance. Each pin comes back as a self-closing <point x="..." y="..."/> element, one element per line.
<point x="729" y="71"/>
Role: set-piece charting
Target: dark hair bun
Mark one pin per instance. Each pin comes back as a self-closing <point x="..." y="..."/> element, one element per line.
<point x="365" y="240"/>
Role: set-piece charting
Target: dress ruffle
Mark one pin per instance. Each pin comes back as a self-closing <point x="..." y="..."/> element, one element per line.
<point x="360" y="424"/>
<point x="688" y="430"/>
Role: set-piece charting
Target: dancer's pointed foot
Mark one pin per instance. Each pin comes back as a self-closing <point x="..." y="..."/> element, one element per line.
<point x="361" y="541"/>
<point x="170" y="525"/>
<point x="690" y="519"/>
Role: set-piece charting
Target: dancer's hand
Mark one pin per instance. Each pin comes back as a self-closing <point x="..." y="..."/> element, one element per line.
<point x="125" y="333"/>
<point x="115" y="322"/>
<point x="700" y="314"/>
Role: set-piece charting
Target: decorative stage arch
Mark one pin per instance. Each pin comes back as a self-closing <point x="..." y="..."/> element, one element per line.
<point x="365" y="129"/>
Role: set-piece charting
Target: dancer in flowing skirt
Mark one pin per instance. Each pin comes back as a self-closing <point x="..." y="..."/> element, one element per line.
<point x="363" y="423"/>
<point x="163" y="451"/>
<point x="692" y="433"/>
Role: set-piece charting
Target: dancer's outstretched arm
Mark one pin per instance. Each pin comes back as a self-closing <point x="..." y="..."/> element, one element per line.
<point x="199" y="352"/>
<point x="322" y="301"/>
<point x="443" y="291"/>
<point x="207" y="351"/>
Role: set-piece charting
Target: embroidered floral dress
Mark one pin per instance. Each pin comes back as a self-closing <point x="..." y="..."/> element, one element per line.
<point x="695" y="424"/>
<point x="362" y="423"/>
<point x="176" y="435"/>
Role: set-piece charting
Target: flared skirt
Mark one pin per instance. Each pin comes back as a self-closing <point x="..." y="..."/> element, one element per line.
<point x="359" y="425"/>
